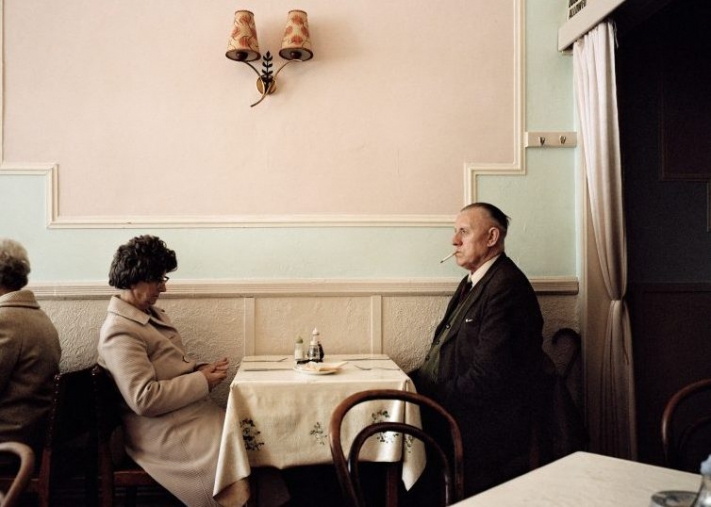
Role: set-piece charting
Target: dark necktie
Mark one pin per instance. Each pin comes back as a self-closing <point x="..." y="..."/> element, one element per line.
<point x="465" y="290"/>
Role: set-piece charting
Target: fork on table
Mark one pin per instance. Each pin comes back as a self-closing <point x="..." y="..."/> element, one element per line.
<point x="365" y="368"/>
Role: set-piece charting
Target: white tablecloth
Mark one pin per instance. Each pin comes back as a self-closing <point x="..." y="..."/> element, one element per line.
<point x="281" y="416"/>
<point x="586" y="480"/>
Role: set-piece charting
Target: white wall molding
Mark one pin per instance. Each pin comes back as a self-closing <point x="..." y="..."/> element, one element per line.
<point x="54" y="220"/>
<point x="296" y="288"/>
<point x="48" y="171"/>
<point x="517" y="166"/>
<point x="262" y="221"/>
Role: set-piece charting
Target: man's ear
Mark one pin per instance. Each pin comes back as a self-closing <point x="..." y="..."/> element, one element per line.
<point x="494" y="234"/>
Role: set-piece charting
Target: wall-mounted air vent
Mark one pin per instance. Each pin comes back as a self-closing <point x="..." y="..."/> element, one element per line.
<point x="584" y="15"/>
<point x="575" y="6"/>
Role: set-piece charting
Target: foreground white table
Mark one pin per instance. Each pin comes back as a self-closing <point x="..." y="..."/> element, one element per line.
<point x="281" y="416"/>
<point x="584" y="479"/>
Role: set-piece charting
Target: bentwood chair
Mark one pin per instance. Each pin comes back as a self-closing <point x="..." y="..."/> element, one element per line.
<point x="116" y="470"/>
<point x="68" y="458"/>
<point x="686" y="426"/>
<point x="448" y="456"/>
<point x="26" y="465"/>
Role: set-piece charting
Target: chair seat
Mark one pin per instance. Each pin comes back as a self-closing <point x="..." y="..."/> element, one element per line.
<point x="128" y="473"/>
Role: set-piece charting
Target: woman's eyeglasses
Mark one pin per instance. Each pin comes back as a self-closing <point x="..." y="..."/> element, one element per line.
<point x="162" y="279"/>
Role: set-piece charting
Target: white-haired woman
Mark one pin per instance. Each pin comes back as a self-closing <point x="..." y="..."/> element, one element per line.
<point x="29" y="352"/>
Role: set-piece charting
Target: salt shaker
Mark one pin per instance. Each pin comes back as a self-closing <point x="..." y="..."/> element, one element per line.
<point x="299" y="350"/>
<point x="703" y="498"/>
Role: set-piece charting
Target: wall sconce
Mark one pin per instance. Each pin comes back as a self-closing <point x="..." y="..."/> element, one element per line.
<point x="243" y="47"/>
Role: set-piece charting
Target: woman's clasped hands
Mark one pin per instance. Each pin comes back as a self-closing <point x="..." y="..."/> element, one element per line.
<point x="215" y="372"/>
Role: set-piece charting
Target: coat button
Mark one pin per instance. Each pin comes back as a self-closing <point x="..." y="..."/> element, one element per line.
<point x="447" y="326"/>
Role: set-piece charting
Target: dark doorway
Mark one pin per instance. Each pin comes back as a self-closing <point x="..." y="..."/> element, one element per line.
<point x="664" y="85"/>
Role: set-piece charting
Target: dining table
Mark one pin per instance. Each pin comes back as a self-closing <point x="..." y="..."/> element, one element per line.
<point x="585" y="479"/>
<point x="278" y="415"/>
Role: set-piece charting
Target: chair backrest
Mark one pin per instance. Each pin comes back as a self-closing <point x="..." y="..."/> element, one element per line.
<point x="70" y="442"/>
<point x="686" y="426"/>
<point x="108" y="401"/>
<point x="564" y="349"/>
<point x="448" y="455"/>
<point x="108" y="419"/>
<point x="24" y="473"/>
<point x="115" y="468"/>
<point x="558" y="424"/>
<point x="68" y="456"/>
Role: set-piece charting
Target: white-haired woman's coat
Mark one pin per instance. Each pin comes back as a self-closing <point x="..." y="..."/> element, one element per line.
<point x="29" y="360"/>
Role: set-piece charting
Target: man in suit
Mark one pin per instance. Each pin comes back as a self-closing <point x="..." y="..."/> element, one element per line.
<point x="486" y="359"/>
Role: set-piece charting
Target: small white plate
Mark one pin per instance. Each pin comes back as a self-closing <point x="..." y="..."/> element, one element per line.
<point x="319" y="368"/>
<point x="314" y="372"/>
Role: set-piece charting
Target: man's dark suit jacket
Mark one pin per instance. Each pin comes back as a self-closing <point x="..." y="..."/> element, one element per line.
<point x="490" y="362"/>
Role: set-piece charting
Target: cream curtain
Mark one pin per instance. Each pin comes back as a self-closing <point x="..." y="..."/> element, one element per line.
<point x="594" y="75"/>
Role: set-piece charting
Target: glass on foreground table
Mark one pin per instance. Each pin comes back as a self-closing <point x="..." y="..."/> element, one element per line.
<point x="673" y="499"/>
<point x="702" y="498"/>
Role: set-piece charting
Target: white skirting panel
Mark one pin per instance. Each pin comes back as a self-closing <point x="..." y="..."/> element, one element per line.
<point x="237" y="318"/>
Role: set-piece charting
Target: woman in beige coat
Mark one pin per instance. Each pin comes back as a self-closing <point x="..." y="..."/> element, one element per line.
<point x="172" y="427"/>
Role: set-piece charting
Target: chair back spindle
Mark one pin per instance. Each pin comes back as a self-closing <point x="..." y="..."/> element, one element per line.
<point x="686" y="426"/>
<point x="449" y="456"/>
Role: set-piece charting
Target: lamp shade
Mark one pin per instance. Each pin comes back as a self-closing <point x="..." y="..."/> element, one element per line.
<point x="296" y="44"/>
<point x="243" y="45"/>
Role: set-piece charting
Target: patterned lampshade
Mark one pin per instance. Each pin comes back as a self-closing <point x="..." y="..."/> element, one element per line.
<point x="296" y="44"/>
<point x="243" y="45"/>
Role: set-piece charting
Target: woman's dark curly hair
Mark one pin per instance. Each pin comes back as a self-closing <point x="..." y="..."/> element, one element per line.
<point x="143" y="259"/>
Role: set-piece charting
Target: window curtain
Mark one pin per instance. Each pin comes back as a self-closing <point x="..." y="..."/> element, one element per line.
<point x="596" y="96"/>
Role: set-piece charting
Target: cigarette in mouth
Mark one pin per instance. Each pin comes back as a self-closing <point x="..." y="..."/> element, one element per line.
<point x="450" y="255"/>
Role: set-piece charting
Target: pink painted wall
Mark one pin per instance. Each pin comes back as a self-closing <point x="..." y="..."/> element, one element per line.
<point x="137" y="104"/>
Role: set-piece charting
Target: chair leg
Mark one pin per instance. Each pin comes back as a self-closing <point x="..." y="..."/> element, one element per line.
<point x="254" y="489"/>
<point x="131" y="496"/>
<point x="91" y="487"/>
<point x="391" y="485"/>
